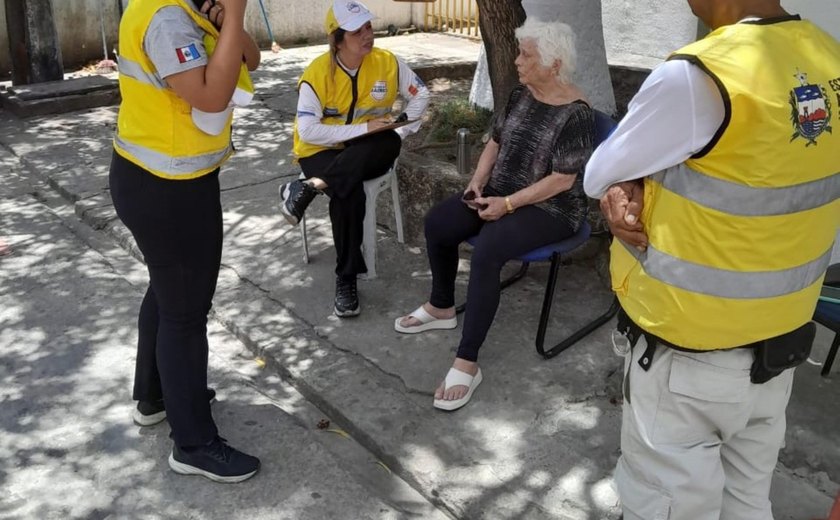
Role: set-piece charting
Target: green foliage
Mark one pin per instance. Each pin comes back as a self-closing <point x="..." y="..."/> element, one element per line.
<point x="451" y="115"/>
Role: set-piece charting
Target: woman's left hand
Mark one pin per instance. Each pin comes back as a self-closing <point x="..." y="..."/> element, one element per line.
<point x="495" y="209"/>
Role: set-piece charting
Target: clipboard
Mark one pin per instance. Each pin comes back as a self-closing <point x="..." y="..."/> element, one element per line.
<point x="390" y="126"/>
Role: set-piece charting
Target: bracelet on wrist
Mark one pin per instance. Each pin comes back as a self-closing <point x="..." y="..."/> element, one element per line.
<point x="508" y="205"/>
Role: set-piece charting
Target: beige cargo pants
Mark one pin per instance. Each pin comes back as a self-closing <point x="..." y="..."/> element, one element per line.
<point x="699" y="441"/>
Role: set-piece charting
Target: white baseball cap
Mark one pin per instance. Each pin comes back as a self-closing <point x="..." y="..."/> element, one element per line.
<point x="348" y="15"/>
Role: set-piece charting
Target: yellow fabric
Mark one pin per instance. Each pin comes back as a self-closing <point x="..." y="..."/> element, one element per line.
<point x="377" y="87"/>
<point x="244" y="81"/>
<point x="156" y="119"/>
<point x="758" y="68"/>
<point x="331" y="23"/>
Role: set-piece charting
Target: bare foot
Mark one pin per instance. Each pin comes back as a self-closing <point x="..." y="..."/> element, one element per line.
<point x="441" y="314"/>
<point x="458" y="391"/>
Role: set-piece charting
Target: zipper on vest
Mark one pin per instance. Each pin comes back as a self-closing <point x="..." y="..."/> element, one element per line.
<point x="355" y="85"/>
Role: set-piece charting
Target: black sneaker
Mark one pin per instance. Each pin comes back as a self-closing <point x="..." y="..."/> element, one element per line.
<point x="295" y="197"/>
<point x="346" y="297"/>
<point x="149" y="413"/>
<point x="216" y="461"/>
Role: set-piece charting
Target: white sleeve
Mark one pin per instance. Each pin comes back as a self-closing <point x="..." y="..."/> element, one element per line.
<point x="310" y="128"/>
<point x="676" y="113"/>
<point x="414" y="91"/>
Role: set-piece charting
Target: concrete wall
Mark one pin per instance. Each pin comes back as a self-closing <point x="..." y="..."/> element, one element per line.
<point x="78" y="24"/>
<point x="643" y="32"/>
<point x="636" y="32"/>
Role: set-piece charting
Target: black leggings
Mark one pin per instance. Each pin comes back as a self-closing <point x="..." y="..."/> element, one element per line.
<point x="344" y="171"/>
<point x="178" y="226"/>
<point x="452" y="222"/>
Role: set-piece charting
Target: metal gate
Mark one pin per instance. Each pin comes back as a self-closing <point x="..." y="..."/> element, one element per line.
<point x="454" y="16"/>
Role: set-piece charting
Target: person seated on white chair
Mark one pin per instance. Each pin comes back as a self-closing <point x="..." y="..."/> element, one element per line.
<point x="343" y="95"/>
<point x="526" y="193"/>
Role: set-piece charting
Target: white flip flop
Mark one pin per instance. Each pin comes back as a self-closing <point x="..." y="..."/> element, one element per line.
<point x="427" y="322"/>
<point x="455" y="378"/>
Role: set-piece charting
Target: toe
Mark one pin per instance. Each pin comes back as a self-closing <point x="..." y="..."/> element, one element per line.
<point x="455" y="392"/>
<point x="439" y="391"/>
<point x="409" y="321"/>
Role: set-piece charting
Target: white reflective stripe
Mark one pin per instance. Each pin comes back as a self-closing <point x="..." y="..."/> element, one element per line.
<point x="173" y="165"/>
<point x="738" y="199"/>
<point x="374" y="111"/>
<point x="739" y="285"/>
<point x="132" y="69"/>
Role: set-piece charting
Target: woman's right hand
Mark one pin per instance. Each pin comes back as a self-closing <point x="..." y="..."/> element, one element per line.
<point x="474" y="186"/>
<point x="376" y="124"/>
<point x="222" y="9"/>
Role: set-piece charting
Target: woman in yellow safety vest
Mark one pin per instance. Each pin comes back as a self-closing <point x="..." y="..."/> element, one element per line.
<point x="342" y="137"/>
<point x="183" y="66"/>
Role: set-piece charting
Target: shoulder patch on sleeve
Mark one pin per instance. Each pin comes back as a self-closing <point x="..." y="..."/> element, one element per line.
<point x="188" y="53"/>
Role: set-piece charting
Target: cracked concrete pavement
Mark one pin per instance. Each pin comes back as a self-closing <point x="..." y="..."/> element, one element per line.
<point x="540" y="438"/>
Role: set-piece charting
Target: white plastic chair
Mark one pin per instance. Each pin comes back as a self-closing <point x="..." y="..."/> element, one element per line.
<point x="372" y="189"/>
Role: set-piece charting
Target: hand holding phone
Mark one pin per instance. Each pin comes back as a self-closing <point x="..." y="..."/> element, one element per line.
<point x="469" y="199"/>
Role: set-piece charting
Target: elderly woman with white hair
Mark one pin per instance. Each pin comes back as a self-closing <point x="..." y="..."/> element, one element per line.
<point x="526" y="192"/>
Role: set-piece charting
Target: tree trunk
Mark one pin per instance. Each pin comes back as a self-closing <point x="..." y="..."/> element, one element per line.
<point x="33" y="42"/>
<point x="498" y="19"/>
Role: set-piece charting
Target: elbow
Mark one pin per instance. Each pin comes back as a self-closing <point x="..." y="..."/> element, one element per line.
<point x="305" y="132"/>
<point x="591" y="189"/>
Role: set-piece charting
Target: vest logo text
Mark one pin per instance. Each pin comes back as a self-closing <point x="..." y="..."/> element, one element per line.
<point x="379" y="90"/>
<point x="810" y="110"/>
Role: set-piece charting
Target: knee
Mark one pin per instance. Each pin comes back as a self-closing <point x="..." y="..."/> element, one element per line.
<point x="486" y="258"/>
<point x="392" y="143"/>
<point x="434" y="225"/>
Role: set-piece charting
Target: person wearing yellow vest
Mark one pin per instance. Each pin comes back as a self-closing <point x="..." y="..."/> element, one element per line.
<point x="341" y="139"/>
<point x="721" y="188"/>
<point x="183" y="65"/>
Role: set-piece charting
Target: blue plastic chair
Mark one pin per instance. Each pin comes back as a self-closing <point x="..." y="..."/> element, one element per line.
<point x="604" y="125"/>
<point x="827" y="314"/>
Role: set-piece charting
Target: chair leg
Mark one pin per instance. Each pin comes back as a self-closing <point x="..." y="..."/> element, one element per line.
<point x="507" y="282"/>
<point x="395" y="194"/>
<point x="303" y="239"/>
<point x="548" y="299"/>
<point x="369" y="236"/>
<point x="577" y="335"/>
<point x="832" y="352"/>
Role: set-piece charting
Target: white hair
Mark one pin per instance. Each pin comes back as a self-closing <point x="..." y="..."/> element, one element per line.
<point x="555" y="41"/>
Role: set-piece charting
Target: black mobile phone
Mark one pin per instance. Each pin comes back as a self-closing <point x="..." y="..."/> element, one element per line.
<point x="469" y="199"/>
<point x="401" y="118"/>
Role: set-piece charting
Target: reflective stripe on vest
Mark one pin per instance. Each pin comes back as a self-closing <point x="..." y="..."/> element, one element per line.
<point x="173" y="166"/>
<point x="739" y="199"/>
<point x="134" y="70"/>
<point x="729" y="284"/>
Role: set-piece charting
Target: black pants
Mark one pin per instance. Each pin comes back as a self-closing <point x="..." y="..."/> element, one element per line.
<point x="452" y="222"/>
<point x="344" y="171"/>
<point x="178" y="227"/>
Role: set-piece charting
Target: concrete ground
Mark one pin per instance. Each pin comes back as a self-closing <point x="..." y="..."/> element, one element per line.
<point x="539" y="440"/>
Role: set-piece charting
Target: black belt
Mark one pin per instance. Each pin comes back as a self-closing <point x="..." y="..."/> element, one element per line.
<point x="633" y="332"/>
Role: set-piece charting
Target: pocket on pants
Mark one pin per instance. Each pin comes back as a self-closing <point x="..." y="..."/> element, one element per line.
<point x="699" y="398"/>
<point x="643" y="501"/>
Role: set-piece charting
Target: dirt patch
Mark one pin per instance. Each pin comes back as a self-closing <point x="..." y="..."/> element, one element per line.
<point x="436" y="138"/>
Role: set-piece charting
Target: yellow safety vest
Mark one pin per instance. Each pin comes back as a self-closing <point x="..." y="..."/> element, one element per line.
<point x="741" y="234"/>
<point x="347" y="100"/>
<point x="154" y="127"/>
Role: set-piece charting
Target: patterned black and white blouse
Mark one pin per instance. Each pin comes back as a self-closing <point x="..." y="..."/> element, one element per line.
<point x="536" y="139"/>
